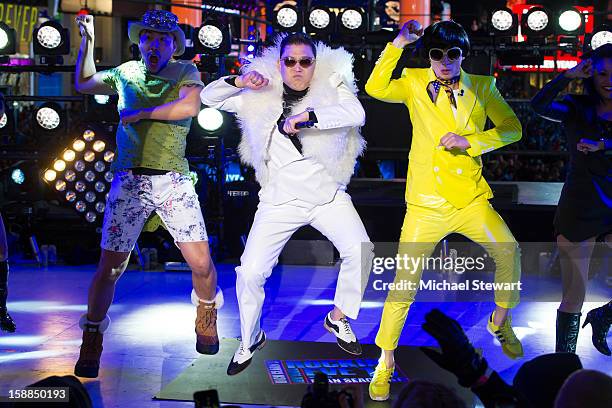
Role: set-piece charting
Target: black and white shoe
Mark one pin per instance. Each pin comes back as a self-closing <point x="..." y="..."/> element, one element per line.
<point x="243" y="356"/>
<point x="344" y="334"/>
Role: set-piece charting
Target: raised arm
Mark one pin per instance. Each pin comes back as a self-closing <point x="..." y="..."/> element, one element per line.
<point x="224" y="93"/>
<point x="87" y="80"/>
<point x="544" y="102"/>
<point x="380" y="85"/>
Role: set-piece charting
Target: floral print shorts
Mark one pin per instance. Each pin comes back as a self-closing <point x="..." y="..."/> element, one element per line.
<point x="132" y="199"/>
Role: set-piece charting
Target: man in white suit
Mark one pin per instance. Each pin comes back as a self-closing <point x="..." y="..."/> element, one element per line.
<point x="303" y="173"/>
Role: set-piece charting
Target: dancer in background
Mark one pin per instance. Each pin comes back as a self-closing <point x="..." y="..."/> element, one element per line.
<point x="445" y="190"/>
<point x="584" y="212"/>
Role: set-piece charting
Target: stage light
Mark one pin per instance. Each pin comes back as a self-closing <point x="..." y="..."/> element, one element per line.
<point x="320" y="20"/>
<point x="48" y="116"/>
<point x="80" y="206"/>
<point x="50" y="39"/>
<point x="3" y="120"/>
<point x="504" y="21"/>
<point x="213" y="38"/>
<point x="210" y="119"/>
<point x="536" y="22"/>
<point x="18" y="176"/>
<point x="288" y="18"/>
<point x="50" y="175"/>
<point x="99" y="145"/>
<point x="89" y="156"/>
<point x="8" y="43"/>
<point x="571" y="21"/>
<point x="352" y="20"/>
<point x="89" y="135"/>
<point x="100" y="207"/>
<point x="69" y="155"/>
<point x="253" y="38"/>
<point x="78" y="145"/>
<point x="59" y="165"/>
<point x="102" y="99"/>
<point x="601" y="35"/>
<point x="80" y="174"/>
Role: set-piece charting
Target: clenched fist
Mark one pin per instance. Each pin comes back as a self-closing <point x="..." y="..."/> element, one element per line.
<point x="251" y="80"/>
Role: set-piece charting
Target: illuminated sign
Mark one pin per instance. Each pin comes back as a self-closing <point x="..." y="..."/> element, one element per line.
<point x="338" y="371"/>
<point x="20" y="17"/>
<point x="550" y="65"/>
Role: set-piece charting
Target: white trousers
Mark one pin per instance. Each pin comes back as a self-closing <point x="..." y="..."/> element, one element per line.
<point x="273" y="226"/>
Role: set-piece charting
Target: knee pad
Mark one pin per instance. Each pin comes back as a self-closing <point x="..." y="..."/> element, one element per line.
<point x="219" y="300"/>
<point x="104" y="324"/>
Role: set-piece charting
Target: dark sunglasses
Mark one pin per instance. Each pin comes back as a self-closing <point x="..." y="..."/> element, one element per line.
<point x="437" y="54"/>
<point x="304" y="62"/>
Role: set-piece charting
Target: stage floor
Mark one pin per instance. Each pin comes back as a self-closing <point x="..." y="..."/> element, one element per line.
<point x="151" y="339"/>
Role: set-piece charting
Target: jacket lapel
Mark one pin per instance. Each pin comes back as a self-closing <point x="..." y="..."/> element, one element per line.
<point x="442" y="104"/>
<point x="465" y="103"/>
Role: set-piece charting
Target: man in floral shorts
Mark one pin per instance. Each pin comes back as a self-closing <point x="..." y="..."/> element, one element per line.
<point x="158" y="96"/>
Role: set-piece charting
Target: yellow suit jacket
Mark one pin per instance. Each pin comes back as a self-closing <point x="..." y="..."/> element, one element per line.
<point x="436" y="175"/>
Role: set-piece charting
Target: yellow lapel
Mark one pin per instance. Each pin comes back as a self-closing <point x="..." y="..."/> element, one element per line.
<point x="465" y="103"/>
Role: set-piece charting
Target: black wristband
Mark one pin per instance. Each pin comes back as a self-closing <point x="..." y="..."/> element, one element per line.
<point x="231" y="81"/>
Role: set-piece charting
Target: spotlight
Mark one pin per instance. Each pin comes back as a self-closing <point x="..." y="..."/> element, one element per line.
<point x="48" y="116"/>
<point x="571" y="21"/>
<point x="213" y="38"/>
<point x="102" y="99"/>
<point x="78" y="145"/>
<point x="353" y="20"/>
<point x="50" y="175"/>
<point x="210" y="119"/>
<point x="80" y="174"/>
<point x="59" y="165"/>
<point x="8" y="43"/>
<point x="99" y="145"/>
<point x="601" y="35"/>
<point x="51" y="41"/>
<point x="536" y="22"/>
<point x="3" y="120"/>
<point x="18" y="176"/>
<point x="504" y="21"/>
<point x="320" y="20"/>
<point x="288" y="18"/>
<point x="69" y="155"/>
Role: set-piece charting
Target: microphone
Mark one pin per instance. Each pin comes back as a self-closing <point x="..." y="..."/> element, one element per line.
<point x="303" y="125"/>
<point x="461" y="92"/>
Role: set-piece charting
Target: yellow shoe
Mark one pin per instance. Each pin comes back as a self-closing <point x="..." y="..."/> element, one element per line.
<point x="511" y="345"/>
<point x="379" y="386"/>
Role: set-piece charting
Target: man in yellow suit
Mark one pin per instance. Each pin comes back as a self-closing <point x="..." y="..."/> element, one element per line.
<point x="445" y="190"/>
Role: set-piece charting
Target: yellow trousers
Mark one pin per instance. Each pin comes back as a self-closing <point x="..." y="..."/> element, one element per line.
<point x="425" y="227"/>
